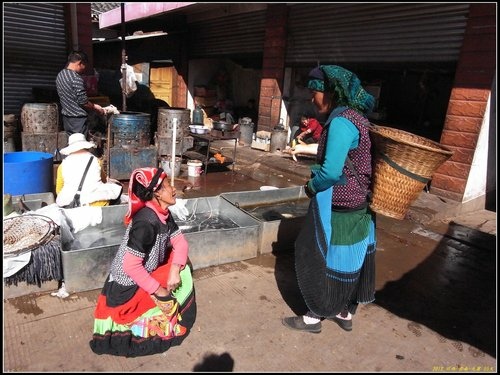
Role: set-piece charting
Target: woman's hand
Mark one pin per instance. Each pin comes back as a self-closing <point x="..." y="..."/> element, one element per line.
<point x="308" y="191"/>
<point x="162" y="292"/>
<point x="174" y="277"/>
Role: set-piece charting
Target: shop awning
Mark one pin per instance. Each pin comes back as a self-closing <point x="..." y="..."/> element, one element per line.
<point x="137" y="11"/>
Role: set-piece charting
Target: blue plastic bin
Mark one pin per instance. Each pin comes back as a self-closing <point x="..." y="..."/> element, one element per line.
<point x="28" y="172"/>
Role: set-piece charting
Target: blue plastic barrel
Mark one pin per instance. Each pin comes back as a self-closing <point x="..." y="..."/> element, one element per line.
<point x="28" y="172"/>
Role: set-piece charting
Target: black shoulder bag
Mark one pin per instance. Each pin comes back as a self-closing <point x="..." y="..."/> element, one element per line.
<point x="76" y="199"/>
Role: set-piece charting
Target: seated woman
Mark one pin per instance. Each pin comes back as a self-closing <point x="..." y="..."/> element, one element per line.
<point x="94" y="191"/>
<point x="148" y="301"/>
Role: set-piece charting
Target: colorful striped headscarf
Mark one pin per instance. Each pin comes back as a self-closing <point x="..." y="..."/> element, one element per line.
<point x="151" y="179"/>
<point x="347" y="86"/>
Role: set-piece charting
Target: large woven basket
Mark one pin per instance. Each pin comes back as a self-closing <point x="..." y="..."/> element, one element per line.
<point x="403" y="164"/>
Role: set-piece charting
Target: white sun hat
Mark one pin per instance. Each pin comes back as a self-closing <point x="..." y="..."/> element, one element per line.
<point x="76" y="142"/>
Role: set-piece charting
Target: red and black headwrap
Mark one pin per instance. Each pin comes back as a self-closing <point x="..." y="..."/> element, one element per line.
<point x="142" y="184"/>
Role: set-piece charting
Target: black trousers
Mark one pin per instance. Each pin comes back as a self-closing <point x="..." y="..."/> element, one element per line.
<point x="75" y="125"/>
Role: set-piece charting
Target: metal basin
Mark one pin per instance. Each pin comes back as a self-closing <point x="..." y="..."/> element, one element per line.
<point x="218" y="232"/>
<point x="32" y="202"/>
<point x="281" y="214"/>
<point x="211" y="228"/>
<point x="86" y="261"/>
<point x="222" y="125"/>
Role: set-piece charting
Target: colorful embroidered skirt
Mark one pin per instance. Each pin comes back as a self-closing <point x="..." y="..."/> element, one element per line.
<point x="144" y="325"/>
<point x="335" y="257"/>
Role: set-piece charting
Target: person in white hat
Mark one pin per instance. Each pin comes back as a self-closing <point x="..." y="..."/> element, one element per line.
<point x="94" y="191"/>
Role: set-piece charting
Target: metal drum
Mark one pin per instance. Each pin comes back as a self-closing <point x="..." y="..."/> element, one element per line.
<point x="246" y="132"/>
<point x="278" y="139"/>
<point x="131" y="129"/>
<point x="40" y="118"/>
<point x="166" y="125"/>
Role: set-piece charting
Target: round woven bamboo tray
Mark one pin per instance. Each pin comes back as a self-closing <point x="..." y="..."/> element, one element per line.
<point x="403" y="164"/>
<point x="25" y="233"/>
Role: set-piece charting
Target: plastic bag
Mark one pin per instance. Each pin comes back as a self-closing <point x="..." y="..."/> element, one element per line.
<point x="111" y="110"/>
<point x="179" y="209"/>
<point x="129" y="87"/>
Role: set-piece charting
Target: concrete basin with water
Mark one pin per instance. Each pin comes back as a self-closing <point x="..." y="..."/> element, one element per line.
<point x="216" y="230"/>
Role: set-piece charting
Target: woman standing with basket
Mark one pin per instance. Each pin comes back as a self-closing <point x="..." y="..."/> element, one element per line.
<point x="335" y="250"/>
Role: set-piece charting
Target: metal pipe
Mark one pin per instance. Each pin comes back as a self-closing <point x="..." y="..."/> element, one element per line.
<point x="172" y="156"/>
<point x="108" y="145"/>
<point x="124" y="60"/>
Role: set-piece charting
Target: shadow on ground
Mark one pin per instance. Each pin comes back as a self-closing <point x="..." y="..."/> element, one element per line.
<point x="215" y="363"/>
<point x="453" y="291"/>
<point x="286" y="281"/>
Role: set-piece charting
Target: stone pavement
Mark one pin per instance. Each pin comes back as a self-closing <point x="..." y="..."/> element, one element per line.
<point x="411" y="327"/>
<point x="435" y="308"/>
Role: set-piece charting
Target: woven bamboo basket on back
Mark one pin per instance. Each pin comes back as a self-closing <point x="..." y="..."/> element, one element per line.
<point x="403" y="165"/>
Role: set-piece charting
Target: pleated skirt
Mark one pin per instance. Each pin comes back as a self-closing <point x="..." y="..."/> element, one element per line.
<point x="335" y="257"/>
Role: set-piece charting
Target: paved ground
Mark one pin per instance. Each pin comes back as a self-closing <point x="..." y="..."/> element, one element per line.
<point x="435" y="308"/>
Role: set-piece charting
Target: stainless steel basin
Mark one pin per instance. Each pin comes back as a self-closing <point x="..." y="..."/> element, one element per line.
<point x="281" y="214"/>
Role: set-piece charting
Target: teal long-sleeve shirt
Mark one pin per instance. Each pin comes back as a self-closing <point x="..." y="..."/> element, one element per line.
<point x="342" y="137"/>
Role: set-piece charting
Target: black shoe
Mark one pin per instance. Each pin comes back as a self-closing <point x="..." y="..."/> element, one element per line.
<point x="345" y="324"/>
<point x="297" y="323"/>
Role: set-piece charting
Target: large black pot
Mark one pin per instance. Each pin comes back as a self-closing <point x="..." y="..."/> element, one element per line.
<point x="222" y="125"/>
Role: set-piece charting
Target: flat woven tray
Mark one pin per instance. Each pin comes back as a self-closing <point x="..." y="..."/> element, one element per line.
<point x="26" y="232"/>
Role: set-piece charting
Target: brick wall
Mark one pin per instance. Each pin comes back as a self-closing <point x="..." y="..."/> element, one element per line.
<point x="273" y="66"/>
<point x="468" y="100"/>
